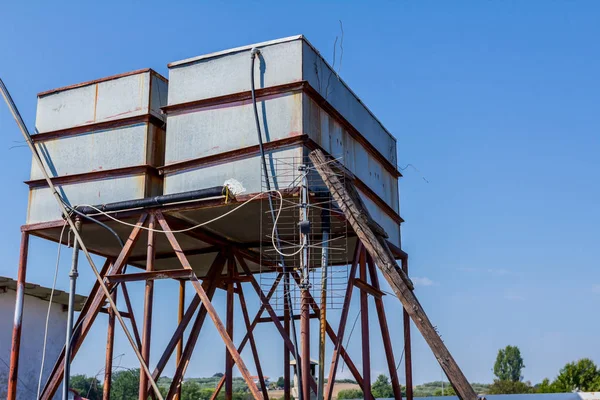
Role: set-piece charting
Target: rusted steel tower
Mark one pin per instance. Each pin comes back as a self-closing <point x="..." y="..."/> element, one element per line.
<point x="175" y="169"/>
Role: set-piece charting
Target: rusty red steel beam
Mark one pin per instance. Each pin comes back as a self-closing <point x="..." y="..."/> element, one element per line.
<point x="180" y="314"/>
<point x="150" y="276"/>
<point x="89" y="314"/>
<point x="15" y="351"/>
<point x="385" y="331"/>
<point x="177" y="337"/>
<point x="364" y="323"/>
<point x="210" y="285"/>
<point x="148" y="300"/>
<point x="273" y="316"/>
<point x="193" y="336"/>
<point x="342" y="326"/>
<point x="407" y="343"/>
<point x="212" y="239"/>
<point x="209" y="307"/>
<point x="286" y="352"/>
<point x="128" y="306"/>
<point x="82" y="314"/>
<point x="110" y="343"/>
<point x="106" y="311"/>
<point x="252" y="326"/>
<point x="369" y="289"/>
<point x="282" y="318"/>
<point x="305" y="344"/>
<point x="330" y="332"/>
<point x="248" y="324"/>
<point x="229" y="326"/>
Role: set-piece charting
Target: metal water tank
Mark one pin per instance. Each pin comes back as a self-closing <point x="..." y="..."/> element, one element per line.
<point x="303" y="104"/>
<point x="101" y="141"/>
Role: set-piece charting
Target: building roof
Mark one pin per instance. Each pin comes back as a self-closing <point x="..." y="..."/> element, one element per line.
<point x="43" y="293"/>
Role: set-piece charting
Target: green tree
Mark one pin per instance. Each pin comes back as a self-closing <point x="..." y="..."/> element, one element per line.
<point x="89" y="388"/>
<point x="546" y="387"/>
<point x="350" y="394"/>
<point x="190" y="390"/>
<point x="125" y="385"/>
<point x="510" y="387"/>
<point x="382" y="388"/>
<point x="448" y="391"/>
<point x="582" y="375"/>
<point x="280" y="382"/>
<point x="509" y="364"/>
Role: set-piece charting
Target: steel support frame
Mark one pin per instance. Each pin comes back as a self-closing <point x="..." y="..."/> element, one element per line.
<point x="114" y="276"/>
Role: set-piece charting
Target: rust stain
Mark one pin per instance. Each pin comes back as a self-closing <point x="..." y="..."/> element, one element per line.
<point x="95" y="102"/>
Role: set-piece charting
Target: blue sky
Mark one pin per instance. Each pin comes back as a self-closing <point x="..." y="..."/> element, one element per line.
<point x="495" y="104"/>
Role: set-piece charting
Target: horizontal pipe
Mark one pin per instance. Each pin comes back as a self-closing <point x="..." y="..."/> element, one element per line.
<point x="155" y="201"/>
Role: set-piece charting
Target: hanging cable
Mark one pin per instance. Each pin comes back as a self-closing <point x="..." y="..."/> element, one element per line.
<point x="100" y="212"/>
<point x="286" y="281"/>
<point x="39" y="388"/>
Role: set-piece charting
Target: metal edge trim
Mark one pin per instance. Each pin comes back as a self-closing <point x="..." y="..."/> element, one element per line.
<point x="94" y="176"/>
<point x="100" y="80"/>
<point x="98" y="126"/>
<point x="234" y="50"/>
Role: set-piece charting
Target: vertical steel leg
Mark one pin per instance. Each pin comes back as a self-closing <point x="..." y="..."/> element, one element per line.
<point x="407" y="346"/>
<point x="364" y="320"/>
<point x="385" y="332"/>
<point x="305" y="343"/>
<point x="148" y="299"/>
<point x="110" y="343"/>
<point x="229" y="326"/>
<point x="335" y="358"/>
<point x="16" y="337"/>
<point x="286" y="351"/>
<point x="180" y="343"/>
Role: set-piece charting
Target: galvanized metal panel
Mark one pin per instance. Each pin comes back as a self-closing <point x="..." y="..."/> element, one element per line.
<point x="392" y="228"/>
<point x="93" y="151"/>
<point x="247" y="171"/>
<point x="330" y="135"/>
<point x="107" y="100"/>
<point x="219" y="129"/>
<point x="229" y="72"/>
<point x="43" y="206"/>
<point x="326" y="81"/>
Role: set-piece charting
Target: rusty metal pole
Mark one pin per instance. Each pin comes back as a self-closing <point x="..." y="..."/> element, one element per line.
<point x="231" y="266"/>
<point x="148" y="299"/>
<point x="73" y="274"/>
<point x="16" y="337"/>
<point x="364" y="319"/>
<point x="325" y="227"/>
<point x="305" y="342"/>
<point x="180" y="343"/>
<point x="286" y="351"/>
<point x="305" y="375"/>
<point x="407" y="345"/>
<point x="110" y="343"/>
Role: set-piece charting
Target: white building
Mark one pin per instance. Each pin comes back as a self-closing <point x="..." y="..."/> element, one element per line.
<point x="32" y="335"/>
